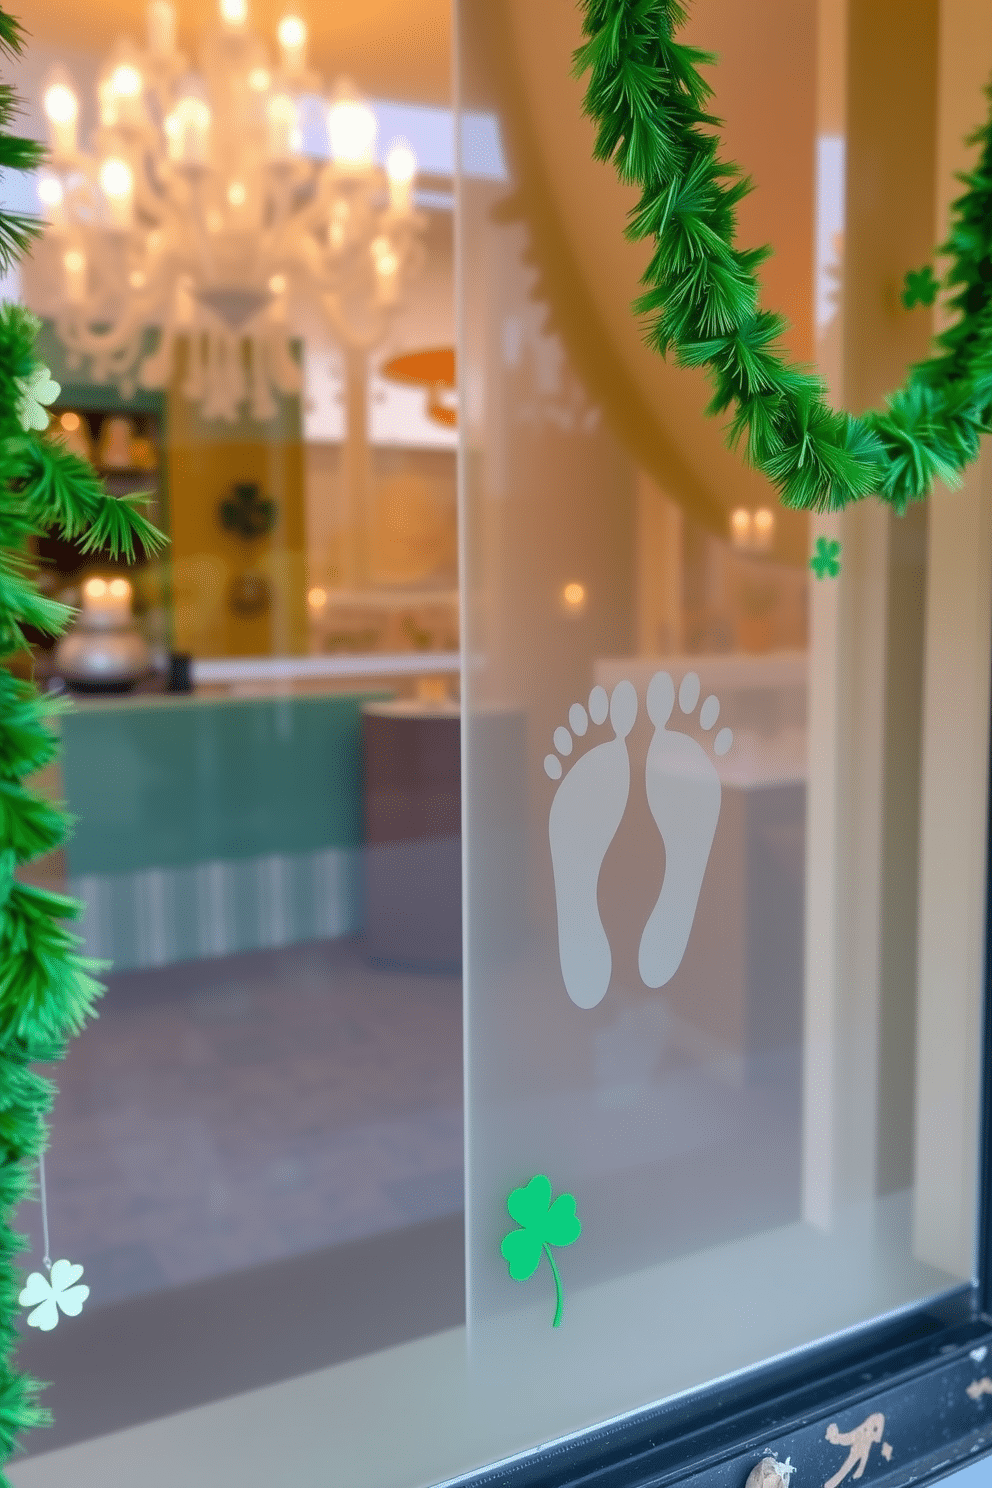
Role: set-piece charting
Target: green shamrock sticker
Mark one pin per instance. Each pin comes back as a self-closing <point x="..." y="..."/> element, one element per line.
<point x="920" y="287"/>
<point x="825" y="561"/>
<point x="542" y="1224"/>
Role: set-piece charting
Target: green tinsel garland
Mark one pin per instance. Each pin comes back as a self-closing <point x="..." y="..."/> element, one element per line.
<point x="648" y="100"/>
<point x="46" y="989"/>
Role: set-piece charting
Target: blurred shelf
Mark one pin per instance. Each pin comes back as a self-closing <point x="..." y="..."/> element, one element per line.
<point x="233" y="669"/>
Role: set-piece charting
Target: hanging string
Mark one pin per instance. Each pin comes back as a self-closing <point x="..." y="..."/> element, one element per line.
<point x="46" y="1258"/>
<point x="59" y="1292"/>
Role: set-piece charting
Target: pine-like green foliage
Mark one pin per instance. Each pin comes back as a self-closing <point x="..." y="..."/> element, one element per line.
<point x="46" y="989"/>
<point x="648" y="101"/>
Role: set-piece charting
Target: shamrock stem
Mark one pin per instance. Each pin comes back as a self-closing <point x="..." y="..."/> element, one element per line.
<point x="559" y="1294"/>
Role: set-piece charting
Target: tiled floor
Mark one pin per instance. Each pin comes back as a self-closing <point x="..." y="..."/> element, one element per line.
<point x="226" y="1113"/>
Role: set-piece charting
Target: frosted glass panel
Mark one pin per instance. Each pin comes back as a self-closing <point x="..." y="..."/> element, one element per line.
<point x="698" y="825"/>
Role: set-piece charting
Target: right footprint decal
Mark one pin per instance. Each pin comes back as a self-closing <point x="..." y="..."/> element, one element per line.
<point x="585" y="814"/>
<point x="684" y="795"/>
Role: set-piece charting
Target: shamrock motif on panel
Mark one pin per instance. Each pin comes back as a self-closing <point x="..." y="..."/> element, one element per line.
<point x="825" y="561"/>
<point x="543" y="1224"/>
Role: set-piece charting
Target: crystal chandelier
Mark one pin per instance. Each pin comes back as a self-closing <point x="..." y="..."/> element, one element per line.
<point x="197" y="214"/>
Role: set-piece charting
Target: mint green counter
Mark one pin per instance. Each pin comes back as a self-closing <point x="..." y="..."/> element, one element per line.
<point x="207" y="826"/>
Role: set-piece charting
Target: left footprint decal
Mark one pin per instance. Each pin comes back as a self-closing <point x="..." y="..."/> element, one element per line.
<point x="585" y="814"/>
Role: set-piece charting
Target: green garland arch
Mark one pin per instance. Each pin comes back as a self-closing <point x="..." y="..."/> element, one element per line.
<point x="701" y="294"/>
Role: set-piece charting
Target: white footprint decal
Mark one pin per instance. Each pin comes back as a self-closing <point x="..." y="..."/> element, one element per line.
<point x="585" y="815"/>
<point x="684" y="796"/>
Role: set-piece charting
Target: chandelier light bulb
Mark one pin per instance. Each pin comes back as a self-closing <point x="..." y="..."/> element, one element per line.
<point x="292" y="36"/>
<point x="61" y="104"/>
<point x="62" y="111"/>
<point x="117" y="185"/>
<point x="386" y="261"/>
<point x="119" y="589"/>
<point x="161" y="28"/>
<point x="120" y="94"/>
<point x="387" y="264"/>
<point x="401" y="168"/>
<point x="234" y="13"/>
<point x="237" y="194"/>
<point x="116" y="178"/>
<point x="94" y="589"/>
<point x="352" y="128"/>
<point x="136" y="279"/>
<point x="74" y="263"/>
<point x="277" y="284"/>
<point x="187" y="132"/>
<point x="125" y="81"/>
<point x="284" y="132"/>
<point x="52" y="197"/>
<point x="258" y="80"/>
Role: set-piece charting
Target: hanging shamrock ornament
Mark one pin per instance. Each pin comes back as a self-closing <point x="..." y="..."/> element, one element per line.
<point x="47" y="1294"/>
<point x="35" y="391"/>
<point x="542" y="1224"/>
<point x="59" y="1289"/>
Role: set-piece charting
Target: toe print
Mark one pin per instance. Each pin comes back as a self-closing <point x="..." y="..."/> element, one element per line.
<point x="684" y="795"/>
<point x="585" y="814"/>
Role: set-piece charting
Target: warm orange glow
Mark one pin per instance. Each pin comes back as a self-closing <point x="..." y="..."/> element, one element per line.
<point x="317" y="598"/>
<point x="740" y="527"/>
<point x="574" y="596"/>
<point x="764" y="527"/>
<point x="70" y="422"/>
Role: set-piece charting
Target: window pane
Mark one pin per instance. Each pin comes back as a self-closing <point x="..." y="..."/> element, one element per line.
<point x="723" y="849"/>
<point x="721" y="984"/>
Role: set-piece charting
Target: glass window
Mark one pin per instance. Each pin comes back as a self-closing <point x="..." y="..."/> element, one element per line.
<point x="541" y="880"/>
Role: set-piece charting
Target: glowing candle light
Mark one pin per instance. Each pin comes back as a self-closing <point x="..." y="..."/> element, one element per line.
<point x="401" y="168"/>
<point x="117" y="185"/>
<point x="352" y="128"/>
<point x="62" y="111"/>
<point x="764" y="528"/>
<point x="740" y="528"/>
<point x="52" y="197"/>
<point x="107" y="601"/>
<point x="187" y="131"/>
<point x="74" y="264"/>
<point x="284" y="130"/>
<point x="292" y="37"/>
